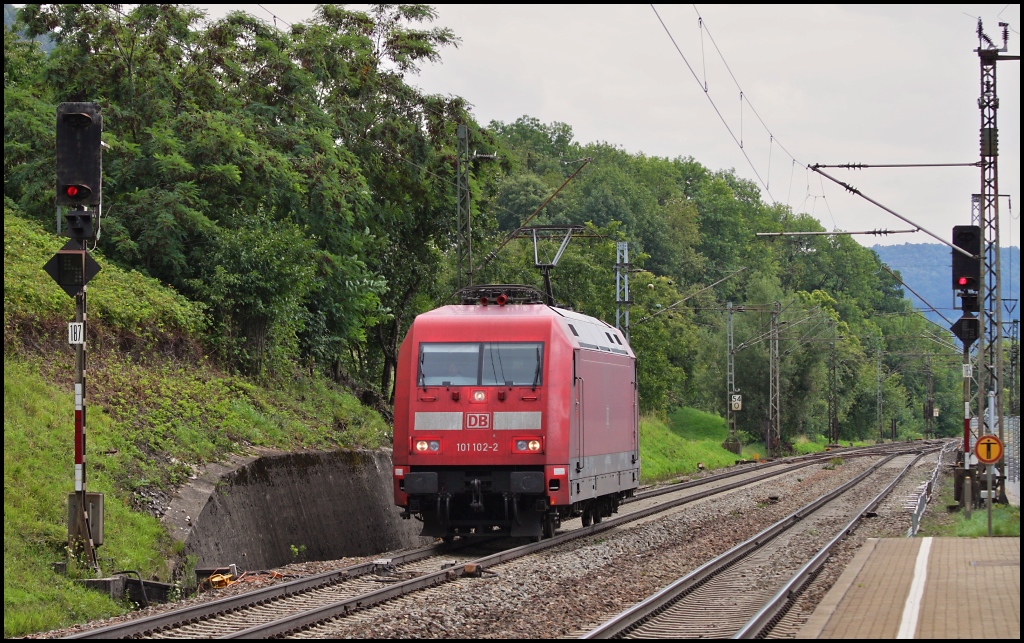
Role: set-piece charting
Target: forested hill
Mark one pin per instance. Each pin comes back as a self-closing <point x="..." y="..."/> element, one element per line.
<point x="925" y="267"/>
<point x="299" y="188"/>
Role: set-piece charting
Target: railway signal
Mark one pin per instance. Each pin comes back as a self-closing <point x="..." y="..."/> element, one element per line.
<point x="967" y="280"/>
<point x="79" y="186"/>
<point x="79" y="157"/>
<point x="967" y="270"/>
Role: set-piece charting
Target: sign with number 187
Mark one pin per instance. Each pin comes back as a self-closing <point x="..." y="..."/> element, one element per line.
<point x="76" y="333"/>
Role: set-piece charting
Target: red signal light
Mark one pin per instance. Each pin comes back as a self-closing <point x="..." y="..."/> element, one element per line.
<point x="962" y="281"/>
<point x="77" y="192"/>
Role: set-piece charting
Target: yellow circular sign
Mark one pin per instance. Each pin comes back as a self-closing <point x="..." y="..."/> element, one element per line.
<point x="989" y="449"/>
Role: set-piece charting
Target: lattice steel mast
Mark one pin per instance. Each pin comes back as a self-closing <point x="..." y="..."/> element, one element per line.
<point x="464" y="234"/>
<point x="622" y="301"/>
<point x="990" y="351"/>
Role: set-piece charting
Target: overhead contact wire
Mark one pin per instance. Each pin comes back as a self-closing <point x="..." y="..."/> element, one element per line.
<point x="713" y="105"/>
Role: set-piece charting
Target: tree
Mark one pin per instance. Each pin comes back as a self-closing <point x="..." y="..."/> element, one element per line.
<point x="235" y="132"/>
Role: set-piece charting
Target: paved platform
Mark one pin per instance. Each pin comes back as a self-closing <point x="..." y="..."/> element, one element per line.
<point x="924" y="588"/>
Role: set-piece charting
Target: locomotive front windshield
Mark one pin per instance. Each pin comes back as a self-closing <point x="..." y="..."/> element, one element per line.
<point x="481" y="364"/>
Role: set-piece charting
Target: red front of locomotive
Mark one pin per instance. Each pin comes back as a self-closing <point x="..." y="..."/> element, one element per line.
<point x="491" y="420"/>
<point x="482" y="411"/>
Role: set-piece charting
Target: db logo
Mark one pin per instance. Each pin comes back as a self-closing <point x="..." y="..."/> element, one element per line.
<point x="478" y="420"/>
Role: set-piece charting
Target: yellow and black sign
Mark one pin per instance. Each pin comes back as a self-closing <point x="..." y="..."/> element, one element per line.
<point x="989" y="449"/>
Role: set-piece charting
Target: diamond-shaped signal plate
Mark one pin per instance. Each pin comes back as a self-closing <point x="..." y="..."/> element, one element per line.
<point x="966" y="329"/>
<point x="71" y="286"/>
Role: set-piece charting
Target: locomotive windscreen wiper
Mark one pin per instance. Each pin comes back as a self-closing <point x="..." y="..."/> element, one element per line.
<point x="536" y="373"/>
<point x="493" y="350"/>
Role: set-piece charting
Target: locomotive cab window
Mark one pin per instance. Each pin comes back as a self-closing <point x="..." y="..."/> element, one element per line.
<point x="481" y="364"/>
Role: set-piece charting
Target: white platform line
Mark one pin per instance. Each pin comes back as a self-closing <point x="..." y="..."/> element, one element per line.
<point x="912" y="608"/>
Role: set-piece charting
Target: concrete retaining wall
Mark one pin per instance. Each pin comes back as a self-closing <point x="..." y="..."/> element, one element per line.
<point x="326" y="505"/>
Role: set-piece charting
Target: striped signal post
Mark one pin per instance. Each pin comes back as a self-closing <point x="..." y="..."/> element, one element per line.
<point x="80" y="538"/>
<point x="966" y="493"/>
<point x="72" y="268"/>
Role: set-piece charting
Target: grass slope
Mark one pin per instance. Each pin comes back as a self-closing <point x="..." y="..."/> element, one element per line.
<point x="157" y="409"/>
<point x="676" y="447"/>
<point x="38" y="474"/>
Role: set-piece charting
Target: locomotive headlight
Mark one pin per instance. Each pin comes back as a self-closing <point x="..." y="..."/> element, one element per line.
<point x="479" y="396"/>
<point x="427" y="446"/>
<point x="527" y="445"/>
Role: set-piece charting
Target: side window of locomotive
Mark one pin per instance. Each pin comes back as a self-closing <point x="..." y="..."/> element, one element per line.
<point x="449" y="364"/>
<point x="512" y="364"/>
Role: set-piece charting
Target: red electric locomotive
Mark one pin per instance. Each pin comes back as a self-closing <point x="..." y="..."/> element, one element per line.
<point x="511" y="416"/>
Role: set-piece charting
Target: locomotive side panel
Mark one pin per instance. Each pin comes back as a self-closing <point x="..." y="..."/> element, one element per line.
<point x="604" y="430"/>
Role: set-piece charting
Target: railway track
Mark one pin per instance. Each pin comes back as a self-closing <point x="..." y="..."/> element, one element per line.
<point x="746" y="591"/>
<point x="242" y="611"/>
<point x="300" y="604"/>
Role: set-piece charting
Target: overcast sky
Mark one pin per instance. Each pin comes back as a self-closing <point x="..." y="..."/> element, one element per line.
<point x="832" y="84"/>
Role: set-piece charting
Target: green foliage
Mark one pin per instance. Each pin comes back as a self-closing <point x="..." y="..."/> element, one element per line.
<point x="254" y="170"/>
<point x="298" y="186"/>
<point x="803" y="445"/>
<point x="664" y="452"/>
<point x="121" y="301"/>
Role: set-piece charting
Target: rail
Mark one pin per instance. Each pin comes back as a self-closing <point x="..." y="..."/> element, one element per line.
<point x="661" y="600"/>
<point x="768" y="615"/>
